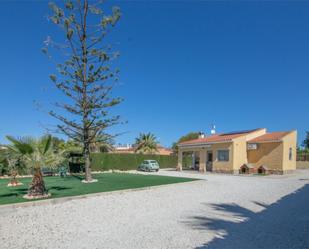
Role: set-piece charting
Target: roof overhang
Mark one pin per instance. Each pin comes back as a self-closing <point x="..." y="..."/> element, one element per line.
<point x="203" y="144"/>
<point x="266" y="141"/>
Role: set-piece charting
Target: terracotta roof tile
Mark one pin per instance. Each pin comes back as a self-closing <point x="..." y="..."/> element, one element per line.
<point x="268" y="137"/>
<point x="224" y="137"/>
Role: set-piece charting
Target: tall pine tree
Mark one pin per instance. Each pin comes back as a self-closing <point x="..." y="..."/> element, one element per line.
<point x="86" y="75"/>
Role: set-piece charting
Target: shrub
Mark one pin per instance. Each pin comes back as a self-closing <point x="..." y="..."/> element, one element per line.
<point x="107" y="161"/>
<point x="3" y="169"/>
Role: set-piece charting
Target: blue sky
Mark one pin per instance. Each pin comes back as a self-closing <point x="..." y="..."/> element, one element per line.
<point x="184" y="65"/>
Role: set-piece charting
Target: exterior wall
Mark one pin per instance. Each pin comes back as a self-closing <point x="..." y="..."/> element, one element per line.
<point x="164" y="152"/>
<point x="275" y="155"/>
<point x="239" y="149"/>
<point x="289" y="141"/>
<point x="222" y="167"/>
<point x="239" y="153"/>
<point x="122" y="151"/>
<point x="269" y="154"/>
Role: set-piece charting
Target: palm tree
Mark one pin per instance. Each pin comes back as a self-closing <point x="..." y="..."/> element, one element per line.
<point x="146" y="143"/>
<point x="104" y="143"/>
<point x="36" y="153"/>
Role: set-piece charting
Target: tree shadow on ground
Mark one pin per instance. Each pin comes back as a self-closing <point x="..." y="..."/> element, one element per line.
<point x="58" y="188"/>
<point x="79" y="177"/>
<point x="10" y="195"/>
<point x="284" y="224"/>
<point x="16" y="192"/>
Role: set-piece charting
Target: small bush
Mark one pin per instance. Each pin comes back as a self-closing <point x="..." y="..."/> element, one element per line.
<point x="3" y="169"/>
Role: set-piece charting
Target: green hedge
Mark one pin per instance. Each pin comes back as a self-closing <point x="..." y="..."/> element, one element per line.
<point x="107" y="161"/>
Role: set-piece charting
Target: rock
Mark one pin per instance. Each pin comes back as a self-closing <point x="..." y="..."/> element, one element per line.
<point x="32" y="197"/>
<point x="92" y="181"/>
<point x="15" y="184"/>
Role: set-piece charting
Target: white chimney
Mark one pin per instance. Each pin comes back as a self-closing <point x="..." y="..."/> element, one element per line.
<point x="201" y="135"/>
<point x="213" y="130"/>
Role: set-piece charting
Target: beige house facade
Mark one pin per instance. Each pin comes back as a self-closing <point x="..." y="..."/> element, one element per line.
<point x="250" y="151"/>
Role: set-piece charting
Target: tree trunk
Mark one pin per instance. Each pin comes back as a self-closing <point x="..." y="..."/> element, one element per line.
<point x="88" y="176"/>
<point x="14" y="181"/>
<point x="37" y="186"/>
<point x="85" y="105"/>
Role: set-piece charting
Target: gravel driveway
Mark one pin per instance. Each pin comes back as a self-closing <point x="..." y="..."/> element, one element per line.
<point x="221" y="211"/>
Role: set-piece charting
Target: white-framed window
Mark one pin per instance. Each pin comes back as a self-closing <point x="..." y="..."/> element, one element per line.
<point x="223" y="155"/>
<point x="252" y="146"/>
<point x="290" y="154"/>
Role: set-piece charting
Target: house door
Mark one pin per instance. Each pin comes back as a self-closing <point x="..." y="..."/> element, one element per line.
<point x="209" y="161"/>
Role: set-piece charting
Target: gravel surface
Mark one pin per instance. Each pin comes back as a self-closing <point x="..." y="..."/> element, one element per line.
<point x="222" y="211"/>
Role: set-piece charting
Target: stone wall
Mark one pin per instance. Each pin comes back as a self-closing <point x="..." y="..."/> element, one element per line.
<point x="302" y="164"/>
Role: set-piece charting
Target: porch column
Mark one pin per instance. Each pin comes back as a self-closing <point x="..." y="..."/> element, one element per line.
<point x="179" y="165"/>
<point x="193" y="159"/>
<point x="202" y="165"/>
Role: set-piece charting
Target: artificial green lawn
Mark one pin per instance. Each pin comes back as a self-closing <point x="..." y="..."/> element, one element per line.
<point x="72" y="185"/>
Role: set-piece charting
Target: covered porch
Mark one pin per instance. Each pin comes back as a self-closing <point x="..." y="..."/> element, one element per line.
<point x="202" y="157"/>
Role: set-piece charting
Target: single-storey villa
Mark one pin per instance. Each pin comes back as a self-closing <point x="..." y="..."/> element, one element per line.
<point x="249" y="151"/>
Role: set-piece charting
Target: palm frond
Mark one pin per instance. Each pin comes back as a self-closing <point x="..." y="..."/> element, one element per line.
<point x="146" y="143"/>
<point x="46" y="142"/>
<point x="20" y="145"/>
<point x="35" y="152"/>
